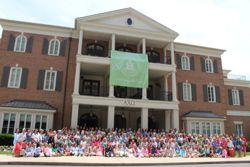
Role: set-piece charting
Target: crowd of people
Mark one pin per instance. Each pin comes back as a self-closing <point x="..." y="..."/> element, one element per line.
<point x="125" y="143"/>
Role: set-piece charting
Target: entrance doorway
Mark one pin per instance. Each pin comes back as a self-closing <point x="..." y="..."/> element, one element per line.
<point x="88" y="120"/>
<point x="120" y="121"/>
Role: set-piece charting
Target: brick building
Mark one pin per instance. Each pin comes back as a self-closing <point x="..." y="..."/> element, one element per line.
<point x="52" y="76"/>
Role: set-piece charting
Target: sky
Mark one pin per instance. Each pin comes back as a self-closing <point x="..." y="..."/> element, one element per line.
<point x="223" y="24"/>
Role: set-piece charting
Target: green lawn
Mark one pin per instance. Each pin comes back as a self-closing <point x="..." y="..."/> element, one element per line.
<point x="5" y="153"/>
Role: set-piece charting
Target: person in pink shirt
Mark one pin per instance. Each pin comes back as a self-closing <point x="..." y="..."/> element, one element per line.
<point x="244" y="145"/>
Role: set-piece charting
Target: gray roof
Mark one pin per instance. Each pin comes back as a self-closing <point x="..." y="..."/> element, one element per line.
<point x="203" y="114"/>
<point x="30" y="104"/>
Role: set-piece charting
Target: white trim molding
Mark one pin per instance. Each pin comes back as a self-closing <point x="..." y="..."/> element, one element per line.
<point x="199" y="50"/>
<point x="238" y="113"/>
<point x="234" y="82"/>
<point x="203" y="119"/>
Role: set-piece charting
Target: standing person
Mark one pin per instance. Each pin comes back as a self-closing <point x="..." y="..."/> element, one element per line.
<point x="22" y="135"/>
<point x="238" y="146"/>
<point x="16" y="136"/>
<point x="244" y="145"/>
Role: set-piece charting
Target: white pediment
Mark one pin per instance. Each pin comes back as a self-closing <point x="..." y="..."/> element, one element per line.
<point x="118" y="18"/>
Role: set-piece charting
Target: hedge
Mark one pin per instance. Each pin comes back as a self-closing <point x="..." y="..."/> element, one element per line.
<point x="6" y="139"/>
<point x="248" y="146"/>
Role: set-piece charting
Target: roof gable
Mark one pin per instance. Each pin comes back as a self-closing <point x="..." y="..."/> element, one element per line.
<point x="119" y="18"/>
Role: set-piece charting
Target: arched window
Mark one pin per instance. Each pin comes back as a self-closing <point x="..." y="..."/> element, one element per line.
<point x="95" y="49"/>
<point x="153" y="56"/>
<point x="20" y="43"/>
<point x="124" y="49"/>
<point x="185" y="62"/>
<point x="54" y="47"/>
<point x="209" y="65"/>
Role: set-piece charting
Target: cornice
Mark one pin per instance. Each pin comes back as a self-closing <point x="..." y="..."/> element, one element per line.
<point x="233" y="82"/>
<point x="199" y="50"/>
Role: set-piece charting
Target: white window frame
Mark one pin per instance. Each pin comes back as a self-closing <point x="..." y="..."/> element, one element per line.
<point x="209" y="67"/>
<point x="185" y="62"/>
<point x="17" y="81"/>
<point x="45" y="80"/>
<point x="187" y="91"/>
<point x="206" y="127"/>
<point x="235" y="97"/>
<point x="17" y="46"/>
<point x="211" y="97"/>
<point x="194" y="129"/>
<point x="8" y="127"/>
<point x="54" y="51"/>
<point x="237" y="130"/>
<point x="216" y="127"/>
<point x="25" y="120"/>
<point x="41" y="119"/>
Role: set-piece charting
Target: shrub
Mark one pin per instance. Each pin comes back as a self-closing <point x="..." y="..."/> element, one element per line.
<point x="248" y="146"/>
<point x="6" y="139"/>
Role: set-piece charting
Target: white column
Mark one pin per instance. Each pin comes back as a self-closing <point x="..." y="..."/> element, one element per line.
<point x="167" y="120"/>
<point x="172" y="53"/>
<point x="113" y="42"/>
<point x="165" y="55"/>
<point x="144" y="118"/>
<point x="111" y="117"/>
<point x="79" y="51"/>
<point x="144" y="90"/>
<point x="77" y="78"/>
<point x="143" y="46"/>
<point x="111" y="87"/>
<point x="74" y="115"/>
<point x="174" y="86"/>
<point x="166" y="87"/>
<point x="175" y="119"/>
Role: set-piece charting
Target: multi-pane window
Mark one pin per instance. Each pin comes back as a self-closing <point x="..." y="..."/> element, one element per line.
<point x="41" y="122"/>
<point x="209" y="65"/>
<point x="235" y="97"/>
<point x="238" y="129"/>
<point x="95" y="49"/>
<point x="54" y="47"/>
<point x="195" y="127"/>
<point x="216" y="128"/>
<point x="20" y="43"/>
<point x="15" y="77"/>
<point x="187" y="92"/>
<point x="8" y="123"/>
<point x="153" y="56"/>
<point x="211" y="93"/>
<point x="185" y="62"/>
<point x="91" y="87"/>
<point x="206" y="128"/>
<point x="25" y="121"/>
<point x="50" y="80"/>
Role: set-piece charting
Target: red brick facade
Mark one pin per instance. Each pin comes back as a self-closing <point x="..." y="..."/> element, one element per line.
<point x="62" y="100"/>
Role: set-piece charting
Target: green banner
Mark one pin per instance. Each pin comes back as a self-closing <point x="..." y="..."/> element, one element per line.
<point x="129" y="69"/>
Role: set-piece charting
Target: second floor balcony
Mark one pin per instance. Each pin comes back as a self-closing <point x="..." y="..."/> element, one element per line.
<point x="155" y="55"/>
<point x="93" y="88"/>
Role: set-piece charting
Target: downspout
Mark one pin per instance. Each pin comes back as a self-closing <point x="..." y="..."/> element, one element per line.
<point x="66" y="80"/>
